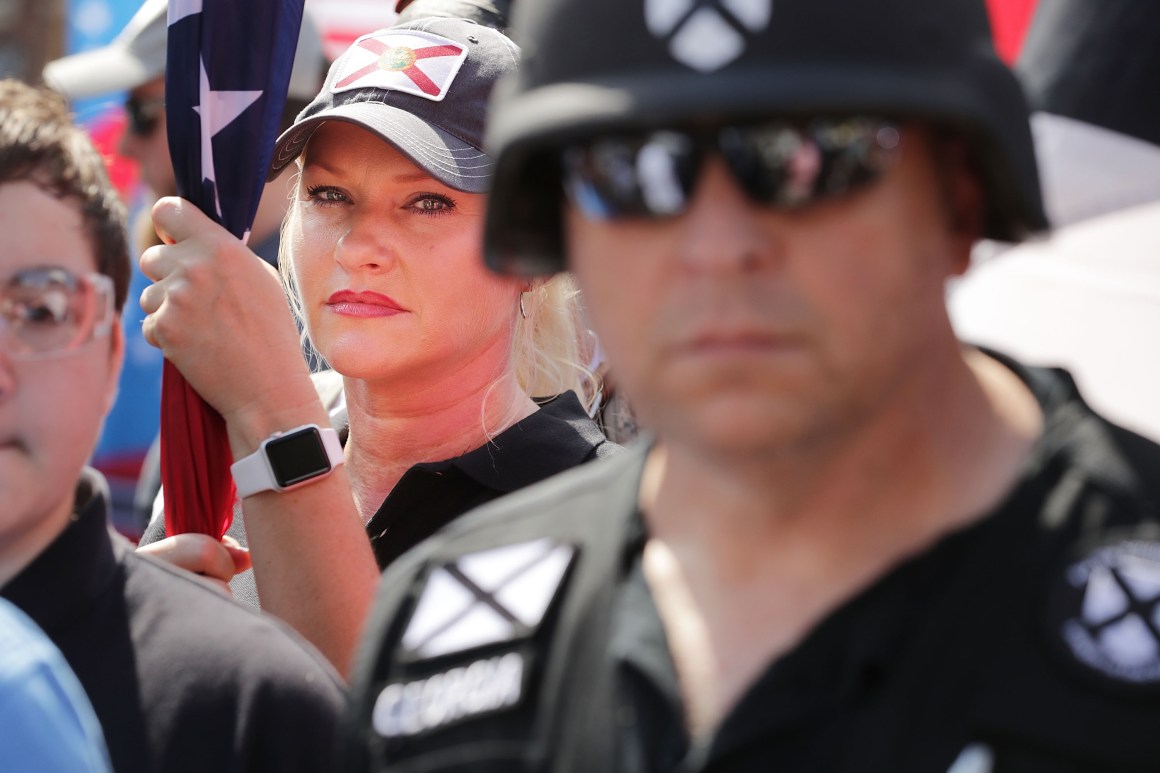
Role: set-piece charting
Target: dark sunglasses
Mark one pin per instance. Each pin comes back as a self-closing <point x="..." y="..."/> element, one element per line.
<point x="785" y="164"/>
<point x="144" y="114"/>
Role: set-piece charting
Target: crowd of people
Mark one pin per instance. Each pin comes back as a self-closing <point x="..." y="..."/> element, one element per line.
<point x="848" y="540"/>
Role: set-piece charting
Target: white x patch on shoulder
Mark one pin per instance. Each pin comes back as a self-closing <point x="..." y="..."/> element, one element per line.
<point x="488" y="597"/>
<point x="1115" y="628"/>
<point x="706" y="34"/>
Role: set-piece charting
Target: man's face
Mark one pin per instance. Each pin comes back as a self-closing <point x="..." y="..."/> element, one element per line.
<point x="146" y="141"/>
<point x="744" y="328"/>
<point x="51" y="408"/>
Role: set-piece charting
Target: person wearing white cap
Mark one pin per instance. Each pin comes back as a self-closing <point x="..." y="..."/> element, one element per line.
<point x="135" y="62"/>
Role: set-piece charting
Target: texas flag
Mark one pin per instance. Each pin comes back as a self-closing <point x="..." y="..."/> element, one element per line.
<point x="411" y="61"/>
<point x="226" y="77"/>
<point x="227" y="73"/>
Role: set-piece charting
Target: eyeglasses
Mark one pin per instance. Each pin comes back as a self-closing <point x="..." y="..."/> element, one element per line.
<point x="785" y="164"/>
<point x="144" y="114"/>
<point x="48" y="312"/>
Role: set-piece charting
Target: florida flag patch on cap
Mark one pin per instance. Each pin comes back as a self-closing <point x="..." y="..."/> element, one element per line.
<point x="410" y="61"/>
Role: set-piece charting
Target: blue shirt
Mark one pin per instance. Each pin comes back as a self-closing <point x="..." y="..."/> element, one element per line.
<point x="46" y="722"/>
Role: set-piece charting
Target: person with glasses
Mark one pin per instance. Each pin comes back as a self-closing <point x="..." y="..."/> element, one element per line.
<point x="854" y="543"/>
<point x="180" y="678"/>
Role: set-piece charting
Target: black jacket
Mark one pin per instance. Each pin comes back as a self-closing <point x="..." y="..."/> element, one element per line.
<point x="181" y="678"/>
<point x="1027" y="642"/>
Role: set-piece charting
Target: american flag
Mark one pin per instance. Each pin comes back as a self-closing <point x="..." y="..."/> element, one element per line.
<point x="226" y="77"/>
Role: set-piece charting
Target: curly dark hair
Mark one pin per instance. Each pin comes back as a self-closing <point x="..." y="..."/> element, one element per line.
<point x="39" y="143"/>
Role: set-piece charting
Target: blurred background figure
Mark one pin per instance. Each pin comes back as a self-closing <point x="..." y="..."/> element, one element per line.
<point x="134" y="63"/>
<point x="489" y="13"/>
<point x="344" y="22"/>
<point x="1009" y="22"/>
<point x="1088" y="298"/>
<point x="46" y="720"/>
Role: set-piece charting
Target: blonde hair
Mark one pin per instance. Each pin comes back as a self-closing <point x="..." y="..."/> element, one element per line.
<point x="547" y="347"/>
<point x="549" y="351"/>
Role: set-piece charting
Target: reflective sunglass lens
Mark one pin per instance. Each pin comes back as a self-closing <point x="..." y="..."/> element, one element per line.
<point x="793" y="166"/>
<point x="144" y="115"/>
<point x="783" y="164"/>
<point x="774" y="165"/>
<point x="648" y="176"/>
<point x="142" y="127"/>
<point x="666" y="169"/>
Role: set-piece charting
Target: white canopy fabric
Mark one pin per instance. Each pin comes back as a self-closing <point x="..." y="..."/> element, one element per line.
<point x="1088" y="170"/>
<point x="1087" y="299"/>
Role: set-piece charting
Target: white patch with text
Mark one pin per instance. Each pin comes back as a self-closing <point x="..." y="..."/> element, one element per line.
<point x="484" y="686"/>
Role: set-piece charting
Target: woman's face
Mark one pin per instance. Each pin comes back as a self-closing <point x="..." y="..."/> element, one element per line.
<point x="389" y="268"/>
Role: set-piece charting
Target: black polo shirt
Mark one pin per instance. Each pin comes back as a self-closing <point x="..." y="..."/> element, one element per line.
<point x="181" y="678"/>
<point x="1028" y="641"/>
<point x="557" y="437"/>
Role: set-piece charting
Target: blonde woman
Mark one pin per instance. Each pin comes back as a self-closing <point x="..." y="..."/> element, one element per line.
<point x="458" y="386"/>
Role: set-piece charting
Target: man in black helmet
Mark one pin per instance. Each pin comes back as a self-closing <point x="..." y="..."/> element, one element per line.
<point x="854" y="544"/>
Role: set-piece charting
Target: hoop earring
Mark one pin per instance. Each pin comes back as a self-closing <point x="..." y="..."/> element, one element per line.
<point x="523" y="309"/>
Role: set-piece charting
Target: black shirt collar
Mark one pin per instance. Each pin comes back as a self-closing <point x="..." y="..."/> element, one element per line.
<point x="76" y="568"/>
<point x="559" y="436"/>
<point x="1072" y="432"/>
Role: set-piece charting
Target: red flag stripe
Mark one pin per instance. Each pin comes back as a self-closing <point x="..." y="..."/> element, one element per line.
<point x="420" y="79"/>
<point x="433" y="51"/>
<point x="417" y="76"/>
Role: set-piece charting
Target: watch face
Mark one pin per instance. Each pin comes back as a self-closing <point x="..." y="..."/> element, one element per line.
<point x="297" y="457"/>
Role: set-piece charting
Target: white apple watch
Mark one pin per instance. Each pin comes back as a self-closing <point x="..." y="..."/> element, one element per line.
<point x="287" y="460"/>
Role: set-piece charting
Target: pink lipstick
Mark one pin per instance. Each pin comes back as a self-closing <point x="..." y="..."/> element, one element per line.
<point x="364" y="303"/>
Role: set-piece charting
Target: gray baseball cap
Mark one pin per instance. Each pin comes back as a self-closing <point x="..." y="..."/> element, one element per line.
<point x="424" y="88"/>
<point x="137" y="56"/>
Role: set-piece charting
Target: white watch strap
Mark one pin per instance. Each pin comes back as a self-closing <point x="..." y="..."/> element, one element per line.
<point x="252" y="474"/>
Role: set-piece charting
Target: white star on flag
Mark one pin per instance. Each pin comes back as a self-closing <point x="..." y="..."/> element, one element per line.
<point x="218" y="109"/>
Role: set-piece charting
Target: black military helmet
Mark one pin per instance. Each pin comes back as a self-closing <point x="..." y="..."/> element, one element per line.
<point x="595" y="65"/>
